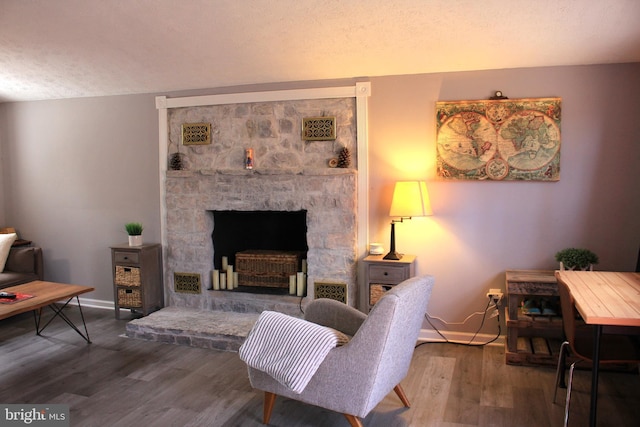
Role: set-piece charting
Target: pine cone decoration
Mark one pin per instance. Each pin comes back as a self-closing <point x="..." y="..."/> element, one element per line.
<point x="175" y="163"/>
<point x="344" y="158"/>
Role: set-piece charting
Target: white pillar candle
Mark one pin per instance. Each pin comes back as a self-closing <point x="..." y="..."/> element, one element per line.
<point x="304" y="266"/>
<point x="235" y="279"/>
<point x="292" y="284"/>
<point x="225" y="263"/>
<point x="230" y="277"/>
<point x="300" y="284"/>
<point x="216" y="280"/>
<point x="223" y="281"/>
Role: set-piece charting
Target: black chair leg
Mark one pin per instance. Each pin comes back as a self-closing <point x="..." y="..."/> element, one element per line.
<point x="563" y="364"/>
<point x="561" y="369"/>
<point x="568" y="398"/>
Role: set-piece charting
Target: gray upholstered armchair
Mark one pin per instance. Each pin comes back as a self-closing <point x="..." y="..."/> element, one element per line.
<point x="355" y="377"/>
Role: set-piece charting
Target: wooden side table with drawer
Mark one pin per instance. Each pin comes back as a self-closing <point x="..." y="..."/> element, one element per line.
<point x="137" y="278"/>
<point x="381" y="274"/>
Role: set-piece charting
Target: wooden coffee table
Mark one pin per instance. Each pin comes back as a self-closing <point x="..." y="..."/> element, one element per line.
<point x="46" y="294"/>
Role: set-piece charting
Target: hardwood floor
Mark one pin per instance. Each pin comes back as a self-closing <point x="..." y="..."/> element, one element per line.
<point x="117" y="381"/>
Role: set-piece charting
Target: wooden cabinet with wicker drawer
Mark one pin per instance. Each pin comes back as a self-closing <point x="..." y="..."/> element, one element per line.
<point x="381" y="275"/>
<point x="137" y="278"/>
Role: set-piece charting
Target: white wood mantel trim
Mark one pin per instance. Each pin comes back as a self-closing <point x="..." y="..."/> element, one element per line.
<point x="276" y="95"/>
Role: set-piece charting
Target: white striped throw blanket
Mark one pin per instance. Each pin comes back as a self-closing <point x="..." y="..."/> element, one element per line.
<point x="287" y="348"/>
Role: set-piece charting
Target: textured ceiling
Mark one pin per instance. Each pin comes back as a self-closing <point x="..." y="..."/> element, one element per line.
<point x="76" y="48"/>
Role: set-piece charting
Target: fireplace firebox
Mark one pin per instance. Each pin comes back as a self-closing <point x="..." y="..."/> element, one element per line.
<point x="259" y="231"/>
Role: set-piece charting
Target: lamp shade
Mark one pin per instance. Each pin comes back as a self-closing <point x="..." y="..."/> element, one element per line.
<point x="410" y="198"/>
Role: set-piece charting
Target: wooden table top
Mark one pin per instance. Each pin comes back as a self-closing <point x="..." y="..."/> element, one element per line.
<point x="44" y="293"/>
<point x="605" y="297"/>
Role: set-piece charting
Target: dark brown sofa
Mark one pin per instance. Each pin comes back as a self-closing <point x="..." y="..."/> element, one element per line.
<point x="24" y="264"/>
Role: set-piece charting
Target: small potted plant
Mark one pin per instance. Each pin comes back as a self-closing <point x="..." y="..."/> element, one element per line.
<point x="134" y="230"/>
<point x="576" y="259"/>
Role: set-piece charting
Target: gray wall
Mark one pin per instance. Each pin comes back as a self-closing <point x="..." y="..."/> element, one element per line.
<point x="3" y="127"/>
<point x="76" y="170"/>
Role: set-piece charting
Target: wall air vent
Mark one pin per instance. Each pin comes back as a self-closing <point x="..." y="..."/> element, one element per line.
<point x="319" y="128"/>
<point x="196" y="133"/>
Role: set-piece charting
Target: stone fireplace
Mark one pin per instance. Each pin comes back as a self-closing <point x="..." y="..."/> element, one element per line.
<point x="289" y="175"/>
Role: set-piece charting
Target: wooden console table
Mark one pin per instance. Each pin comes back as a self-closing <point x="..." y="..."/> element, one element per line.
<point x="531" y="339"/>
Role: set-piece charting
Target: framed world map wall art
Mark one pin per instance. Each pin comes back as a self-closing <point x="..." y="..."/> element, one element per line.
<point x="501" y="140"/>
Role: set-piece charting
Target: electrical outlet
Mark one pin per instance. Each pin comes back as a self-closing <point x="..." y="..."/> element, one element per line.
<point x="495" y="295"/>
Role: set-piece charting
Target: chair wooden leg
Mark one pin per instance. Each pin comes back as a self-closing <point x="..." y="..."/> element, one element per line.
<point x="269" y="400"/>
<point x="403" y="397"/>
<point x="353" y="420"/>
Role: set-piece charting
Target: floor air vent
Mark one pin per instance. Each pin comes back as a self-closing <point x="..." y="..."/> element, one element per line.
<point x="188" y="283"/>
<point x="336" y="291"/>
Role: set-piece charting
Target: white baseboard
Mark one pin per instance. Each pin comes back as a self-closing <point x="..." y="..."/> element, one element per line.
<point x="97" y="303"/>
<point x="430" y="335"/>
<point x="426" y="335"/>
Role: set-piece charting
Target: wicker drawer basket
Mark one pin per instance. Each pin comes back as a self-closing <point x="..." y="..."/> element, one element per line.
<point x="266" y="268"/>
<point x="127" y="276"/>
<point x="377" y="291"/>
<point x="128" y="297"/>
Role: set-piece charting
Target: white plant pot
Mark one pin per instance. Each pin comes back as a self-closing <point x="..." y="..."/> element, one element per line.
<point x="588" y="268"/>
<point x="135" y="240"/>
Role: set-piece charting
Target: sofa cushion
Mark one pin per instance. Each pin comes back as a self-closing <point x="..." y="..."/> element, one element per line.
<point x="21" y="260"/>
<point x="6" y="240"/>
